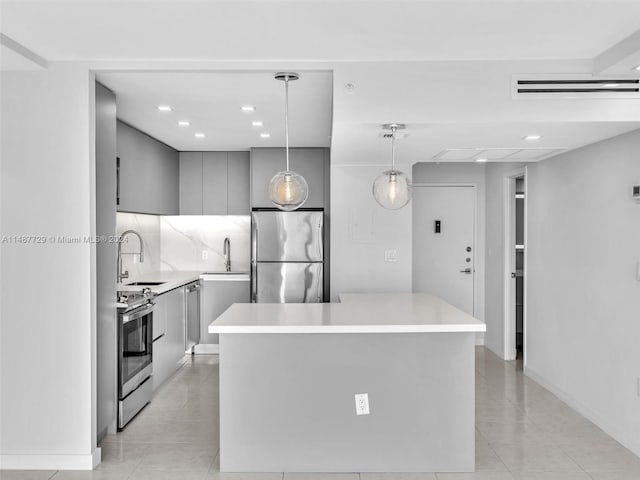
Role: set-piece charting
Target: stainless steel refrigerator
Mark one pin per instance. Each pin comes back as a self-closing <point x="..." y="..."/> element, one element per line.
<point x="287" y="257"/>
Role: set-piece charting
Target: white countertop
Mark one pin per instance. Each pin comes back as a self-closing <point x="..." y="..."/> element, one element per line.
<point x="173" y="279"/>
<point x="358" y="313"/>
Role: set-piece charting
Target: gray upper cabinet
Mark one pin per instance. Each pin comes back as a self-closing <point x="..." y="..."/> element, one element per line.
<point x="190" y="183"/>
<point x="238" y="202"/>
<point x="214" y="183"/>
<point x="311" y="163"/>
<point x="148" y="175"/>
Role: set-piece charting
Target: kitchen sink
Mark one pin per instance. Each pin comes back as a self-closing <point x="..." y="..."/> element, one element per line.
<point x="144" y="284"/>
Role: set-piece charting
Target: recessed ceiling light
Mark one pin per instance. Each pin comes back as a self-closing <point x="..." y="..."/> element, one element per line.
<point x="481" y="160"/>
<point x="184" y="123"/>
<point x="265" y="135"/>
<point x="532" y="136"/>
<point x="257" y="123"/>
<point x="199" y="135"/>
<point x="164" y="108"/>
<point x="637" y="68"/>
<point x="248" y="108"/>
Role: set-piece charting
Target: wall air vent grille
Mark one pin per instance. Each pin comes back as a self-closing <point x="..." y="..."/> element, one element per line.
<point x="573" y="87"/>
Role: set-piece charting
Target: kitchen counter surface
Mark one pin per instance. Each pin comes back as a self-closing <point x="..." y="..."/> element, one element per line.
<point x="173" y="279"/>
<point x="358" y="313"/>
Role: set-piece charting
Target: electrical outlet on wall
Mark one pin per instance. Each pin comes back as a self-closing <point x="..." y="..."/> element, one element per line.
<point x="205" y="254"/>
<point x="362" y="404"/>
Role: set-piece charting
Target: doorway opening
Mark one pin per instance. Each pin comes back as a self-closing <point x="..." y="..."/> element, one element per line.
<point x="519" y="266"/>
<point x="516" y="266"/>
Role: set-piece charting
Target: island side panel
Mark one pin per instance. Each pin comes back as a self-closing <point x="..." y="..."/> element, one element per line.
<point x="287" y="402"/>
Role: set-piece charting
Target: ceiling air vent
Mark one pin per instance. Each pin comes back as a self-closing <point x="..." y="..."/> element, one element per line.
<point x="573" y="86"/>
<point x="499" y="154"/>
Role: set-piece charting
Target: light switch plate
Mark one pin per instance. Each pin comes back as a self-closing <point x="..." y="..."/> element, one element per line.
<point x="391" y="255"/>
<point x="362" y="404"/>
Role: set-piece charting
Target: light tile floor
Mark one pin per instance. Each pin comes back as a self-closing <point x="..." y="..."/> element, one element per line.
<point x="523" y="432"/>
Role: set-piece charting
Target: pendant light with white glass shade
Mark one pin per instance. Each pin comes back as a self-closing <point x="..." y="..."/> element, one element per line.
<point x="392" y="189"/>
<point x="288" y="190"/>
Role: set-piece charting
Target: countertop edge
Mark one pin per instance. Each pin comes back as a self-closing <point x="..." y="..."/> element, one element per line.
<point x="462" y="328"/>
<point x="175" y="279"/>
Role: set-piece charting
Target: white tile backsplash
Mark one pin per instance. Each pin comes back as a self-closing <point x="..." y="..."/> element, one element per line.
<point x="196" y="242"/>
<point x="148" y="226"/>
<point x="185" y="242"/>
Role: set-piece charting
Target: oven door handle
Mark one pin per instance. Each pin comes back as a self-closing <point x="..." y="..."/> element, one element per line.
<point x="138" y="313"/>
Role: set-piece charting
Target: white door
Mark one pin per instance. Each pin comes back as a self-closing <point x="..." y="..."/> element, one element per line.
<point x="443" y="243"/>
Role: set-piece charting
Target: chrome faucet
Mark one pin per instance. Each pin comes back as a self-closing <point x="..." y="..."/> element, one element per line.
<point x="125" y="274"/>
<point x="227" y="253"/>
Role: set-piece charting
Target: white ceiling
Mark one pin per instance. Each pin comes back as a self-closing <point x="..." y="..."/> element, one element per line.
<point x="211" y="103"/>
<point x="447" y="74"/>
<point x="424" y="142"/>
<point x="319" y="29"/>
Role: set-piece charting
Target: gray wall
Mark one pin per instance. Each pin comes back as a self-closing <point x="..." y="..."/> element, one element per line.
<point x="106" y="259"/>
<point x="583" y="299"/>
<point x="495" y="279"/>
<point x="47" y="312"/>
<point x="361" y="231"/>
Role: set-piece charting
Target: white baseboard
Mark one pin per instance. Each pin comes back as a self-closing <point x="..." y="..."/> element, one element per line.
<point x="51" y="462"/>
<point x="585" y="411"/>
<point x="207" y="348"/>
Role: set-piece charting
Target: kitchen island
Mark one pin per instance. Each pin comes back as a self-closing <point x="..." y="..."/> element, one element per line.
<point x="290" y="373"/>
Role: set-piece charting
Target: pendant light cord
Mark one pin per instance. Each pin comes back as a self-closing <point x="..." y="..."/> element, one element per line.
<point x="286" y="118"/>
<point x="393" y="149"/>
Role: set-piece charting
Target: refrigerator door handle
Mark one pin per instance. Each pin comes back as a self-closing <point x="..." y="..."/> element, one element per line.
<point x="254" y="251"/>
<point x="320" y="247"/>
<point x="254" y="282"/>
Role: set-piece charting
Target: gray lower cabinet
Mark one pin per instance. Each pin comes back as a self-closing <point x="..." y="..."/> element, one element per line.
<point x="215" y="297"/>
<point x="147" y="173"/>
<point x="311" y="163"/>
<point x="214" y="183"/>
<point x="168" y="349"/>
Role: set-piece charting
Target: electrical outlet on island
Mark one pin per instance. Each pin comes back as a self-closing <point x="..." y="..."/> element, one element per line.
<point x="362" y="404"/>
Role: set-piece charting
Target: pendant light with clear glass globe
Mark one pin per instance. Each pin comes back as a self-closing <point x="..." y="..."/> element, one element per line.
<point x="392" y="188"/>
<point x="288" y="190"/>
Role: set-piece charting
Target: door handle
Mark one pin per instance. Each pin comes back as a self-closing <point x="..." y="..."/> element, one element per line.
<point x="513" y="274"/>
<point x="466" y="270"/>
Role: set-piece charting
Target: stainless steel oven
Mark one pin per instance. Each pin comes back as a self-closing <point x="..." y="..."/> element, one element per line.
<point x="135" y="344"/>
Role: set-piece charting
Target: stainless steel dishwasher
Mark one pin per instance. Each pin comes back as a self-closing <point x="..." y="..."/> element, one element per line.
<point x="192" y="323"/>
